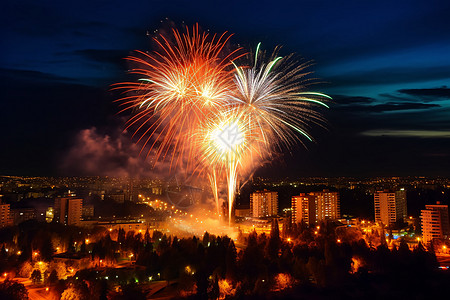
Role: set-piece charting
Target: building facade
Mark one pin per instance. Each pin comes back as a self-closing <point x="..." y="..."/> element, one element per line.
<point x="315" y="207"/>
<point x="390" y="206"/>
<point x="435" y="222"/>
<point x="303" y="208"/>
<point x="327" y="205"/>
<point x="243" y="212"/>
<point x="88" y="211"/>
<point x="68" y="211"/>
<point x="19" y="215"/>
<point x="264" y="204"/>
<point x="5" y="217"/>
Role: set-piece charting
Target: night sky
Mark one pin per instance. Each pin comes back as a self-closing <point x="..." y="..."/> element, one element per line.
<point x="385" y="63"/>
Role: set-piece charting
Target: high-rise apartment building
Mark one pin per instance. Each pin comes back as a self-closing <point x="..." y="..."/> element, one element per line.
<point x="327" y="205"/>
<point x="264" y="204"/>
<point x="435" y="222"/>
<point x="87" y="211"/>
<point x="390" y="206"/>
<point x="20" y="215"/>
<point x="5" y="217"/>
<point x="303" y="208"/>
<point x="315" y="207"/>
<point x="68" y="211"/>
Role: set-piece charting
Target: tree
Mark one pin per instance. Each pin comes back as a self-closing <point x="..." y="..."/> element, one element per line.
<point x="205" y="239"/>
<point x="70" y="294"/>
<point x="121" y="236"/>
<point x="130" y="291"/>
<point x="60" y="268"/>
<point x="273" y="245"/>
<point x="103" y="290"/>
<point x="83" y="247"/>
<point x="53" y="278"/>
<point x="147" y="238"/>
<point x="287" y="226"/>
<point x="71" y="246"/>
<point x="3" y="253"/>
<point x="13" y="290"/>
<point x="26" y="269"/>
<point x="156" y="235"/>
<point x="230" y="260"/>
<point x="47" y="249"/>
<point x="36" y="276"/>
<point x="214" y="290"/>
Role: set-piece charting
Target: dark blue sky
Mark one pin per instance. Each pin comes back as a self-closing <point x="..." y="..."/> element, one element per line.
<point x="386" y="64"/>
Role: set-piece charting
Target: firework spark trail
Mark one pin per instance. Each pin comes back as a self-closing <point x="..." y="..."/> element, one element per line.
<point x="271" y="95"/>
<point x="268" y="109"/>
<point x="191" y="102"/>
<point x="227" y="146"/>
<point x="187" y="79"/>
<point x="214" y="188"/>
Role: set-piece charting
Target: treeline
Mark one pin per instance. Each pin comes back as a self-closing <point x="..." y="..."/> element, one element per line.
<point x="300" y="262"/>
<point x="272" y="265"/>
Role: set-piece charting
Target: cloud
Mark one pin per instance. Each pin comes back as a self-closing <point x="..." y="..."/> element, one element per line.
<point x="31" y="77"/>
<point x="394" y="106"/>
<point x="390" y="75"/>
<point x="103" y="56"/>
<point x="388" y="107"/>
<point x="94" y="153"/>
<point x="430" y="94"/>
<point x="395" y="97"/>
<point x="343" y="100"/>
<point x="444" y="134"/>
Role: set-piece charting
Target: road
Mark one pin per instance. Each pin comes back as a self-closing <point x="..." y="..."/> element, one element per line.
<point x="37" y="293"/>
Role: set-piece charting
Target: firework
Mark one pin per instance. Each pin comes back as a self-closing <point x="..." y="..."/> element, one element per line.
<point x="269" y="109"/>
<point x="272" y="99"/>
<point x="194" y="100"/>
<point x="183" y="82"/>
<point x="226" y="144"/>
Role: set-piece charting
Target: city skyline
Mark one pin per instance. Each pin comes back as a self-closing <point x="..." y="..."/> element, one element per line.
<point x="385" y="65"/>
